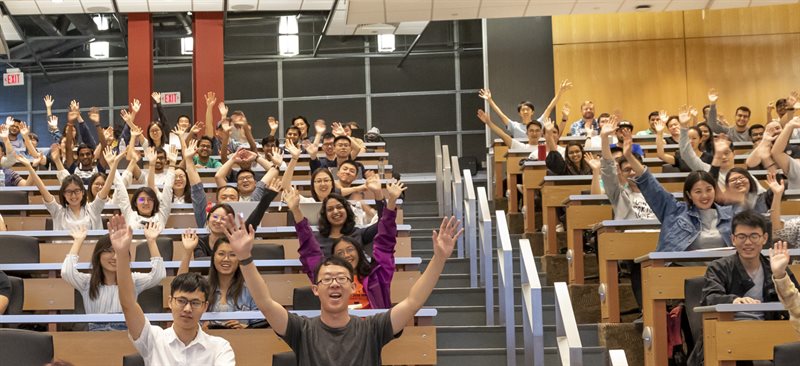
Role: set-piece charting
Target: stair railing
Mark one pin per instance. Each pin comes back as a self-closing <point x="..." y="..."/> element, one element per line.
<point x="532" y="319"/>
<point x="505" y="285"/>
<point x="457" y="199"/>
<point x="618" y="357"/>
<point x="447" y="181"/>
<point x="437" y="149"/>
<point x="570" y="348"/>
<point x="485" y="241"/>
<point x="471" y="227"/>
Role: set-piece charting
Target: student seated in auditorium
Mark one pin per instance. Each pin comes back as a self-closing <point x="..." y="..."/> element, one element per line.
<point x="760" y="158"/>
<point x="593" y="141"/>
<point x="625" y="128"/>
<point x="789" y="165"/>
<point x="651" y="120"/>
<point x="373" y="278"/>
<point x="73" y="208"/>
<point x="619" y="181"/>
<point x="575" y="162"/>
<point x="336" y="337"/>
<point x="787" y="290"/>
<point x="788" y="231"/>
<point x="5" y="292"/>
<point x="741" y="190"/>
<point x="534" y="133"/>
<point x="99" y="287"/>
<point x="304" y="131"/>
<point x="226" y="284"/>
<point x="182" y="343"/>
<point x="587" y="125"/>
<point x="525" y="110"/>
<point x="674" y="158"/>
<point x="146" y="204"/>
<point x="244" y="177"/>
<point x="697" y="222"/>
<point x="737" y="133"/>
<point x="343" y="147"/>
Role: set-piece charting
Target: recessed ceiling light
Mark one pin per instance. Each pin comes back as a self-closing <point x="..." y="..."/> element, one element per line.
<point x="98" y="9"/>
<point x="643" y="7"/>
<point x="242" y="7"/>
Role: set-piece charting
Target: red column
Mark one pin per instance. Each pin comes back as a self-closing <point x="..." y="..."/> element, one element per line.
<point x="208" y="71"/>
<point x="140" y="64"/>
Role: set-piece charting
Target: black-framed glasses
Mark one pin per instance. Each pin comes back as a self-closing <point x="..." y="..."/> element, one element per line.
<point x="740" y="238"/>
<point x="329" y="280"/>
<point x="182" y="301"/>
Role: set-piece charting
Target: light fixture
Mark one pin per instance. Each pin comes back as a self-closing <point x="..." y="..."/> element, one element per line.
<point x="187" y="45"/>
<point x="288" y="40"/>
<point x="98" y="50"/>
<point x="386" y="43"/>
<point x="101" y="22"/>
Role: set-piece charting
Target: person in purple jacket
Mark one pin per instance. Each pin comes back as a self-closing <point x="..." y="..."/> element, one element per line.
<point x="373" y="279"/>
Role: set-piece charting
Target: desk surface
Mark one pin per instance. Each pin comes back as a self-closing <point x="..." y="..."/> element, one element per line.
<point x="735" y="308"/>
<point x="166" y="232"/>
<point x="699" y="254"/>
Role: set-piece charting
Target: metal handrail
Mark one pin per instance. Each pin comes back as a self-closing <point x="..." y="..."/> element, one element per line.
<point x="470" y="227"/>
<point x="505" y="285"/>
<point x="569" y="340"/>
<point x="532" y="318"/>
<point x="437" y="148"/>
<point x="447" y="178"/>
<point x="618" y="357"/>
<point x="457" y="199"/>
<point x="485" y="241"/>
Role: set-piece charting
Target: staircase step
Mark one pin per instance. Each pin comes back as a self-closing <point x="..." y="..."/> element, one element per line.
<point x="476" y="315"/>
<point x="453" y="337"/>
<point x="460" y="296"/>
<point x="595" y="356"/>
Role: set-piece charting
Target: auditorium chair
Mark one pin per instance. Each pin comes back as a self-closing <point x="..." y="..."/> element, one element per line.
<point x="19" y="249"/>
<point x="16" y="300"/>
<point x="25" y="347"/>
<point x="268" y="251"/>
<point x="132" y="360"/>
<point x="304" y="299"/>
<point x="151" y="300"/>
<point x="164" y="246"/>
<point x="14" y="198"/>
<point x="786" y="354"/>
<point x="693" y="296"/>
<point x="284" y="359"/>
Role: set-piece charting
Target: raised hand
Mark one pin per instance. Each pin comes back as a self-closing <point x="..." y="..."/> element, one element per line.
<point x="373" y="183"/>
<point x="485" y="94"/>
<point x="683" y="115"/>
<point x="445" y="239"/>
<point x="592" y="160"/>
<point x="770" y="107"/>
<point x="713" y="95"/>
<point x="177" y="132"/>
<point x="337" y="129"/>
<point x="549" y="126"/>
<point x="276" y="157"/>
<point x="240" y="237"/>
<point x="276" y="185"/>
<point x="172" y="154"/>
<point x="627" y="143"/>
<point x="776" y="187"/>
<point x="223" y="109"/>
<point x="151" y="231"/>
<point x="150" y="154"/>
<point x="721" y="142"/>
<point x="793" y="99"/>
<point x="565" y="85"/>
<point x="483" y="117"/>
<point x="610" y="127"/>
<point x="779" y="259"/>
<point x="189" y="240"/>
<point x="211" y="99"/>
<point x="48" y="101"/>
<point x="395" y="189"/>
<point x="125" y="115"/>
<point x="52" y="123"/>
<point x="663" y="116"/>
<point x="136" y="131"/>
<point x="292" y="198"/>
<point x="74" y="105"/>
<point x="312" y="149"/>
<point x="226" y="124"/>
<point x="78" y="233"/>
<point x="722" y="120"/>
<point x="197" y="127"/>
<point x="190" y="149"/>
<point x="120" y="234"/>
<point x="110" y="156"/>
<point x="565" y="111"/>
<point x="660" y="126"/>
<point x="24" y="161"/>
<point x="4" y="133"/>
<point x="319" y="127"/>
<point x="273" y="123"/>
<point x="156" y="97"/>
<point x="292" y="149"/>
<point x="136" y="106"/>
<point x="23" y="129"/>
<point x="94" y="115"/>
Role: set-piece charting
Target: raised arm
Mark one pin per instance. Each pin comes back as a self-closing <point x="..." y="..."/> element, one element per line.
<point x="189" y="242"/>
<point x="241" y="240"/>
<point x="777" y="194"/>
<point x="309" y="250"/>
<point x="221" y="177"/>
<point x="162" y="117"/>
<point x="565" y="85"/>
<point x="713" y="119"/>
<point x="78" y="234"/>
<point x="211" y="101"/>
<point x="483" y="117"/>
<point x="48" y="104"/>
<point x="596" y="165"/>
<point x="121" y="235"/>
<point x="792" y="104"/>
<point x="550" y="136"/>
<point x="443" y="243"/>
<point x="273" y="124"/>
<point x="295" y="152"/>
<point x="486" y="94"/>
<point x="188" y="151"/>
<point x="151" y="156"/>
<point x="151" y="231"/>
<point x="35" y="179"/>
<point x="605" y="133"/>
<point x="660" y="126"/>
<point x="779" y="147"/>
<point x="112" y="172"/>
<point x="787" y="291"/>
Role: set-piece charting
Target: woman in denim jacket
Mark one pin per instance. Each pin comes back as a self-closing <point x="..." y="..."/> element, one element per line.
<point x="697" y="222"/>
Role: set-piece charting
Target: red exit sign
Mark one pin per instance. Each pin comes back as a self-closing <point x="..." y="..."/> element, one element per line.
<point x="13" y="79"/>
<point x="171" y="98"/>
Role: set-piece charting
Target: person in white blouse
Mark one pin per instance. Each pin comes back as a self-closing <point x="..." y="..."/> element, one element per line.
<point x="147" y="204"/>
<point x="184" y="343"/>
<point x="73" y="209"/>
<point x="99" y="287"/>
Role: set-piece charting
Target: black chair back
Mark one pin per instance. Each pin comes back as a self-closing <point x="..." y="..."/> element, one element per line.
<point x="786" y="354"/>
<point x="14" y="198"/>
<point x="19" y="249"/>
<point x="25" y="347"/>
<point x="151" y="300"/>
<point x="164" y="246"/>
<point x="17" y="296"/>
<point x="268" y="251"/>
<point x="303" y="298"/>
<point x="132" y="360"/>
<point x="284" y="359"/>
<point x="693" y="296"/>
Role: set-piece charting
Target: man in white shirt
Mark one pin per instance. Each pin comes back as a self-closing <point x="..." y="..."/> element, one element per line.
<point x="182" y="344"/>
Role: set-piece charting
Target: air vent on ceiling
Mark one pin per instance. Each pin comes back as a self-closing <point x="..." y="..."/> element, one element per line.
<point x="375" y="28"/>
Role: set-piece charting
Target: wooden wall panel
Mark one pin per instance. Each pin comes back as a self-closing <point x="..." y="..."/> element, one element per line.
<point x="634" y="77"/>
<point x="616" y="27"/>
<point x="743" y="21"/>
<point x="746" y="70"/>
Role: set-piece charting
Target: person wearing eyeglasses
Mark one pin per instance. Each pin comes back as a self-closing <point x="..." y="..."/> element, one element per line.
<point x="184" y="343"/>
<point x="98" y="288"/>
<point x="336" y="337"/>
<point x="146" y="204"/>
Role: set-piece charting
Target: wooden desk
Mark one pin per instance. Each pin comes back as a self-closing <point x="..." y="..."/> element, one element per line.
<point x="583" y="213"/>
<point x="513" y="171"/>
<point x="500" y="151"/>
<point x="725" y="341"/>
<point x="533" y="172"/>
<point x="661" y="283"/>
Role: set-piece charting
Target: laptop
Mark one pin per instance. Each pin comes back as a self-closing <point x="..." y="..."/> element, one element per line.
<point x="310" y="211"/>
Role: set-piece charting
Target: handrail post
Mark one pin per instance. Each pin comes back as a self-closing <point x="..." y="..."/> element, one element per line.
<point x="471" y="228"/>
<point x="569" y="341"/>
<point x="457" y="199"/>
<point x="447" y="177"/>
<point x="485" y="233"/>
<point x="437" y="147"/>
<point x="505" y="285"/>
<point x="532" y="318"/>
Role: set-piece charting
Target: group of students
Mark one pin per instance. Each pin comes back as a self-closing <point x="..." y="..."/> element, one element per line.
<point x="349" y="259"/>
<point x="722" y="205"/>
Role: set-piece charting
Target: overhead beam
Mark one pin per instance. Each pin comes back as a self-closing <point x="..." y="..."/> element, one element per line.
<point x="411" y="48"/>
<point x="23" y="38"/>
<point x="325" y="27"/>
<point x="123" y="27"/>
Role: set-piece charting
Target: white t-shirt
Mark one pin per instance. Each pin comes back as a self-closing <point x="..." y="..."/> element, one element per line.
<point x="534" y="149"/>
<point x="162" y="347"/>
<point x="65" y="219"/>
<point x="794" y="173"/>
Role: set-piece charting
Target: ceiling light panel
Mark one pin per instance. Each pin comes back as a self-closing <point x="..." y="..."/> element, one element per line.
<point x="207" y="5"/>
<point x="455" y="9"/>
<point x="22" y="7"/>
<point x="408" y="10"/>
<point x="133" y="6"/>
<point x="9" y="32"/>
<point x="410" y="28"/>
<point x="170" y="6"/>
<point x="242" y="5"/>
<point x="676" y="5"/>
<point x="97" y="6"/>
<point x="63" y="7"/>
<point x="316" y="5"/>
<point x="502" y="8"/>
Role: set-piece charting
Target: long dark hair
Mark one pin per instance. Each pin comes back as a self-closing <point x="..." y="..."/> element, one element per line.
<point x="94" y="177"/>
<point x="707" y="145"/>
<point x="364" y="267"/>
<point x="237" y="284"/>
<point x="692" y="179"/>
<point x="71" y="179"/>
<point x="97" y="276"/>
<point x="325" y="227"/>
<point x="163" y="140"/>
<point x="314" y="176"/>
<point x="746" y="174"/>
<point x="187" y="191"/>
<point x="582" y="167"/>
<point x="148" y="191"/>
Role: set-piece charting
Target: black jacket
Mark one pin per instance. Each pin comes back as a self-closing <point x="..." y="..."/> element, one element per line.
<point x="727" y="279"/>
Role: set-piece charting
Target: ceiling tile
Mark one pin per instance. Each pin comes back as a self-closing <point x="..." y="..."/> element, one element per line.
<point x="207" y="5"/>
<point x="270" y="5"/>
<point x="9" y="32"/>
<point x="726" y="4"/>
<point x="365" y="12"/>
<point x="373" y="29"/>
<point x="64" y="7"/>
<point x="412" y="28"/>
<point x="686" y="5"/>
<point x="22" y="7"/>
<point x="502" y="8"/>
<point x="455" y="9"/>
<point x="551" y="8"/>
<point x="170" y="5"/>
<point x="408" y="10"/>
<point x="655" y="5"/>
<point x="595" y="7"/>
<point x="97" y="6"/>
<point x="133" y="6"/>
<point x="316" y="5"/>
<point x="772" y="2"/>
<point x="242" y="5"/>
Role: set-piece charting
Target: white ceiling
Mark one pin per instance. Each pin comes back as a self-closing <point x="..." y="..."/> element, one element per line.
<point x="27" y="7"/>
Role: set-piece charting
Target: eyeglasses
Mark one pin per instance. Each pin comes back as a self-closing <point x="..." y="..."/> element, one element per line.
<point x="320" y="181"/>
<point x="144" y="199"/>
<point x="343" y="252"/>
<point x="334" y="208"/>
<point x="229" y="255"/>
<point x="741" y="238"/>
<point x="182" y="301"/>
<point x="740" y="179"/>
<point x="246" y="177"/>
<point x="204" y="146"/>
<point x="329" y="280"/>
<point x="72" y="192"/>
